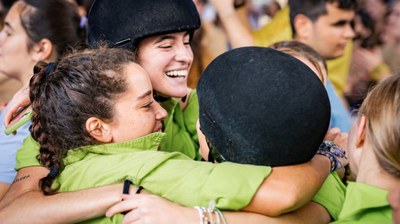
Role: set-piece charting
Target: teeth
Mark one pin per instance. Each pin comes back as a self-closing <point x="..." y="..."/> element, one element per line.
<point x="182" y="73"/>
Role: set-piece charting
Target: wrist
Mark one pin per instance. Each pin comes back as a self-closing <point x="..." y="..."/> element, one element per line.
<point x="334" y="153"/>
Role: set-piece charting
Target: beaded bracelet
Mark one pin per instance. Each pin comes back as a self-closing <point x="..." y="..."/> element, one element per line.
<point x="333" y="152"/>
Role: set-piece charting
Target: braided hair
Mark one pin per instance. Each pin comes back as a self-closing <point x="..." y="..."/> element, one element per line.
<point x="65" y="94"/>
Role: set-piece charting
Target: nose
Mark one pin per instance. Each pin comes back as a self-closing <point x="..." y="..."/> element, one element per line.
<point x="184" y="53"/>
<point x="160" y="112"/>
<point x="348" y="32"/>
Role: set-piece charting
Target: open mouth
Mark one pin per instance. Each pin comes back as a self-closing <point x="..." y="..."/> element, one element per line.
<point x="177" y="74"/>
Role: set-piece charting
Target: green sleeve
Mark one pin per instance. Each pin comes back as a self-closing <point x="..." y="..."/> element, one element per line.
<point x="230" y="185"/>
<point x="170" y="175"/>
<point x="331" y="195"/>
<point x="27" y="154"/>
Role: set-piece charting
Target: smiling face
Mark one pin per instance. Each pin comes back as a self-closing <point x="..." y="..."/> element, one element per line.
<point x="167" y="59"/>
<point x="16" y="61"/>
<point x="136" y="113"/>
<point x="331" y="32"/>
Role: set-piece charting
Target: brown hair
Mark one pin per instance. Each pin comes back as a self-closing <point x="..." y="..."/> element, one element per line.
<point x="55" y="20"/>
<point x="65" y="94"/>
<point x="299" y="49"/>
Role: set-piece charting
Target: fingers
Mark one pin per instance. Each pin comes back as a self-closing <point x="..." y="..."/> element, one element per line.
<point x="128" y="204"/>
<point x="332" y="134"/>
<point x="20" y="100"/>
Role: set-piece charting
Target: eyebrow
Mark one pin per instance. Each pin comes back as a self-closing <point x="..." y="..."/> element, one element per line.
<point x="168" y="36"/>
<point x="148" y="93"/>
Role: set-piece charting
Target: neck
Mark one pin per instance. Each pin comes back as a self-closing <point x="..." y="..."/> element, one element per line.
<point x="370" y="172"/>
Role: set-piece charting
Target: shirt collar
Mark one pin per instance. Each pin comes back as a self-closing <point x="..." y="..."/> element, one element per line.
<point x="148" y="142"/>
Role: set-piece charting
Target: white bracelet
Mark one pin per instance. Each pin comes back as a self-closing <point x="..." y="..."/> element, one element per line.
<point x="201" y="214"/>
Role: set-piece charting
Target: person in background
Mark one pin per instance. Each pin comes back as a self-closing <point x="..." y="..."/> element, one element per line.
<point x="8" y="86"/>
<point x="317" y="24"/>
<point x="26" y="40"/>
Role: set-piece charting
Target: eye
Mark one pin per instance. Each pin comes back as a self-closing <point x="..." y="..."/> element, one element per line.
<point x="148" y="105"/>
<point x="165" y="46"/>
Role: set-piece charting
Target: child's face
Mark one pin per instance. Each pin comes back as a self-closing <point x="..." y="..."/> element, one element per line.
<point x="136" y="113"/>
<point x="167" y="59"/>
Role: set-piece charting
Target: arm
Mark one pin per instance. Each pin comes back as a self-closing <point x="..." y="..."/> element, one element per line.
<point x="153" y="209"/>
<point x="25" y="197"/>
<point x="238" y="34"/>
<point x="290" y="187"/>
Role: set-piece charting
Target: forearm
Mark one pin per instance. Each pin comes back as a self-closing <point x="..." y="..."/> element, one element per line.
<point x="288" y="188"/>
<point x="24" y="202"/>
<point x="71" y="207"/>
<point x="311" y="213"/>
<point x="238" y="34"/>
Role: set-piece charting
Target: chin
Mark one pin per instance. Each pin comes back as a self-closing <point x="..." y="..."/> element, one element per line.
<point x="178" y="92"/>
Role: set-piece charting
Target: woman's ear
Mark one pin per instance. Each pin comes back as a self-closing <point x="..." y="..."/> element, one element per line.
<point x="360" y="135"/>
<point x="99" y="130"/>
<point x="43" y="51"/>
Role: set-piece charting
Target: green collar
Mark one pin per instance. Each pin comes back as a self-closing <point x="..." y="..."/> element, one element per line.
<point x="148" y="142"/>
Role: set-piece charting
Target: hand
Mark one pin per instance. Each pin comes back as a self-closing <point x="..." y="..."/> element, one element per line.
<point x="223" y="7"/>
<point x="20" y="99"/>
<point x="368" y="58"/>
<point x="149" y="209"/>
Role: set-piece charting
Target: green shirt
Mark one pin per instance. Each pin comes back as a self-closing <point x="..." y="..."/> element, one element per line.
<point x="179" y="126"/>
<point x="365" y="204"/>
<point x="331" y="195"/>
<point x="173" y="176"/>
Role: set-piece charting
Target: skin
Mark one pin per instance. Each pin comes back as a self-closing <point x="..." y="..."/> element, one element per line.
<point x="167" y="59"/>
<point x="394" y="200"/>
<point x="16" y="61"/>
<point x="392" y="30"/>
<point x="136" y="112"/>
<point x="376" y="8"/>
<point x="329" y="34"/>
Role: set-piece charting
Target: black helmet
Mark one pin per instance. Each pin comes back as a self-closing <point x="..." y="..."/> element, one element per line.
<point x="124" y="23"/>
<point x="261" y="106"/>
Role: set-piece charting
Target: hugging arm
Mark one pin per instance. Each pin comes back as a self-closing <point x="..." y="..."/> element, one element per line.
<point x="24" y="197"/>
<point x="153" y="209"/>
<point x="288" y="188"/>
